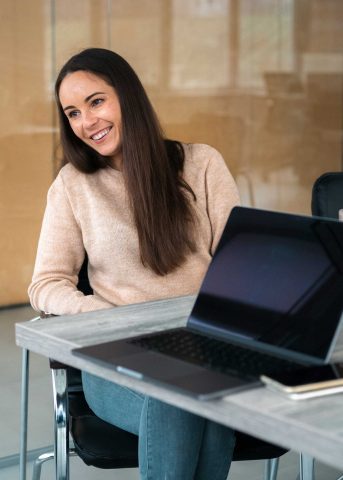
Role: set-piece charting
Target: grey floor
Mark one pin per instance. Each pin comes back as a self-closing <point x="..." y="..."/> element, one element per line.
<point x="41" y="427"/>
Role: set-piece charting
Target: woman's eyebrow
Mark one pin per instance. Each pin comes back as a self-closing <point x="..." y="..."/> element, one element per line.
<point x="86" y="100"/>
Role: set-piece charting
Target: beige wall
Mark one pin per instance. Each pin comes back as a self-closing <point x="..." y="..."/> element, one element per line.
<point x="261" y="81"/>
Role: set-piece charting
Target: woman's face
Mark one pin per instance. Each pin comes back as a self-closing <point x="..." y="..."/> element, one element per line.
<point x="92" y="108"/>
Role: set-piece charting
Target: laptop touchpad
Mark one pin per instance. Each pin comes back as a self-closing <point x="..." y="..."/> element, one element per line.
<point x="157" y="366"/>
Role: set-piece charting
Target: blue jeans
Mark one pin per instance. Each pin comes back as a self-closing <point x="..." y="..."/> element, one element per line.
<point x="173" y="444"/>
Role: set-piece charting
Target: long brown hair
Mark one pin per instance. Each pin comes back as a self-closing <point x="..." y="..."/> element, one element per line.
<point x="160" y="199"/>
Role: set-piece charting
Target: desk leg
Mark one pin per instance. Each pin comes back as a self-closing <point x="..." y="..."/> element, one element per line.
<point x="306" y="467"/>
<point x="23" y="413"/>
<point x="59" y="381"/>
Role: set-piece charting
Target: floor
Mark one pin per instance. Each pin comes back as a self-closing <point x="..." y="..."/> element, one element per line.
<point x="41" y="426"/>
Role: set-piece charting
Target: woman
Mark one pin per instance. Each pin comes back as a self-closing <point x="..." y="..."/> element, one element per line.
<point x="149" y="212"/>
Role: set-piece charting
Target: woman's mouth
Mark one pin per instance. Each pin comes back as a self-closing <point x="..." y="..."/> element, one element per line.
<point x="97" y="137"/>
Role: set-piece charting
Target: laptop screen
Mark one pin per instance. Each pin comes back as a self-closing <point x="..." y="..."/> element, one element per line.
<point x="275" y="280"/>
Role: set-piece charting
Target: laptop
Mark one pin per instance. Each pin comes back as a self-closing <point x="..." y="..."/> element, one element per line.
<point x="270" y="301"/>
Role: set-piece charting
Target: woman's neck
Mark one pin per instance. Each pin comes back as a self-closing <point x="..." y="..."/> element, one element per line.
<point x="116" y="162"/>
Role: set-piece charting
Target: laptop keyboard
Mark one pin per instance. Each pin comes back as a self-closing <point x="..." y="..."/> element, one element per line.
<point x="214" y="354"/>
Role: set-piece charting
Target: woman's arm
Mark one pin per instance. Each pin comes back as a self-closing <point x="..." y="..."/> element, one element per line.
<point x="59" y="258"/>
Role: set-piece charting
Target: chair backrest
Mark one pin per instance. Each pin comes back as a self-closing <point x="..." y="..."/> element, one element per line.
<point x="83" y="282"/>
<point x="327" y="195"/>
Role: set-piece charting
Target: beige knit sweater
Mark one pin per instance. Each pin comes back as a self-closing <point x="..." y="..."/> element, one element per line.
<point x="90" y="211"/>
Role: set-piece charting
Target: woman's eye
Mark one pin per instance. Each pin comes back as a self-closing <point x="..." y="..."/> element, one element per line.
<point x="96" y="101"/>
<point x="73" y="114"/>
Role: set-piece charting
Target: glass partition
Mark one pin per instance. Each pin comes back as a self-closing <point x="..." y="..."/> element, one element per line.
<point x="260" y="81"/>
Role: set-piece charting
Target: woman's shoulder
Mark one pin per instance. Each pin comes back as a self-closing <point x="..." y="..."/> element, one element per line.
<point x="69" y="179"/>
<point x="69" y="172"/>
<point x="200" y="152"/>
<point x="70" y="176"/>
<point x="201" y="156"/>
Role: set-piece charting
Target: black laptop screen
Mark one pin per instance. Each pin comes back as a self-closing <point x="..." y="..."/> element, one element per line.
<point x="267" y="271"/>
<point x="276" y="279"/>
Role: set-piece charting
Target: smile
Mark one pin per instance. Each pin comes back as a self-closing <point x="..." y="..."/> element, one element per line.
<point x="98" y="136"/>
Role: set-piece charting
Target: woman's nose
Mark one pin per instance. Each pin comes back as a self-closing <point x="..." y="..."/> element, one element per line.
<point x="89" y="119"/>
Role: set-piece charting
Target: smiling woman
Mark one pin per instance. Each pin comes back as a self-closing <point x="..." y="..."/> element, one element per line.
<point x="149" y="212"/>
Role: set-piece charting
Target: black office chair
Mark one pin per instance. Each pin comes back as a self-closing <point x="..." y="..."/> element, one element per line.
<point x="327" y="195"/>
<point x="98" y="443"/>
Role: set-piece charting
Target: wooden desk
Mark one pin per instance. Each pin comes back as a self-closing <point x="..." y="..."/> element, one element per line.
<point x="314" y="426"/>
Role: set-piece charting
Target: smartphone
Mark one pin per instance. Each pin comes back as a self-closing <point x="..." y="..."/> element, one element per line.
<point x="308" y="381"/>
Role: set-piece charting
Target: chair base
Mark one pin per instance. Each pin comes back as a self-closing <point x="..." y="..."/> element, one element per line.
<point x="271" y="468"/>
<point x="306" y="467"/>
<point x="44" y="457"/>
<point x="270" y="473"/>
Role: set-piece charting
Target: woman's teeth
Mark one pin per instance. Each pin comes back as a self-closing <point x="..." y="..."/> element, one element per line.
<point x="100" y="135"/>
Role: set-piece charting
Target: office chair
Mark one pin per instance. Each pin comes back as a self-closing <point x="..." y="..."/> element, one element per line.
<point x="103" y="445"/>
<point x="327" y="195"/>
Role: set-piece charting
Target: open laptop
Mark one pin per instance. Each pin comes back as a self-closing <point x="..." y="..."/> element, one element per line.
<point x="271" y="300"/>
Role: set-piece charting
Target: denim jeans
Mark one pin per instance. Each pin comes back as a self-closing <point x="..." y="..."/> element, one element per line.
<point x="173" y="444"/>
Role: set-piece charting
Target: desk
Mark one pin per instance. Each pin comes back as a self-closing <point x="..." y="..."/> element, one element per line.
<point x="314" y="426"/>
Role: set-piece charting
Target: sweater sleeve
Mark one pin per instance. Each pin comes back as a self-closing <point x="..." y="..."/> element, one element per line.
<point x="59" y="258"/>
<point x="222" y="195"/>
